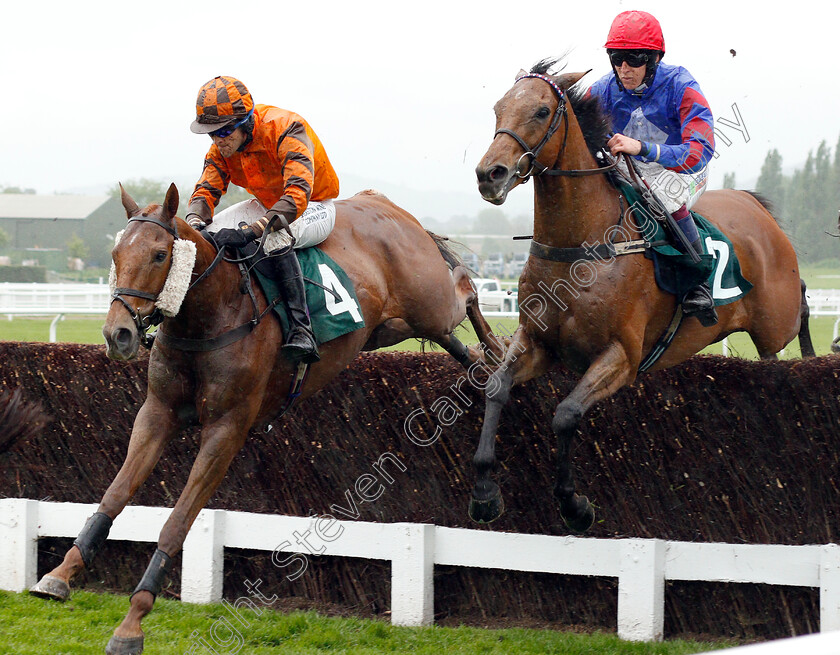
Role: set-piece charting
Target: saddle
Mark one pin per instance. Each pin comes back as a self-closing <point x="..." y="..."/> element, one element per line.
<point x="330" y="294"/>
<point x="676" y="272"/>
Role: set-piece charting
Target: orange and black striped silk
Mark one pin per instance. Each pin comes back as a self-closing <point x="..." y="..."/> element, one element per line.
<point x="285" y="166"/>
<point x="222" y="97"/>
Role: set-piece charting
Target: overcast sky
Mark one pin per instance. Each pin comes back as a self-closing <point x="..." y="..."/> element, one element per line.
<point x="402" y="93"/>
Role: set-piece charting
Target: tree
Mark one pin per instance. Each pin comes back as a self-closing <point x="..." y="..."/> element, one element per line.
<point x="729" y="180"/>
<point x="17" y="189"/>
<point x="771" y="183"/>
<point x="144" y="190"/>
<point x="5" y="239"/>
<point x="76" y="247"/>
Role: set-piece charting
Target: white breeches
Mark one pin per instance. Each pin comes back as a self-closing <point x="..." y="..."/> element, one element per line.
<point x="310" y="228"/>
<point x="672" y="188"/>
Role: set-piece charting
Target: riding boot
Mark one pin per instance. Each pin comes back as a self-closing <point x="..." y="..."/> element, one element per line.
<point x="699" y="301"/>
<point x="300" y="343"/>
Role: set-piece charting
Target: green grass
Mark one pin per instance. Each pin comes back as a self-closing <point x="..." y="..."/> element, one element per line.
<point x="84" y="329"/>
<point x="89" y="331"/>
<point x="83" y="625"/>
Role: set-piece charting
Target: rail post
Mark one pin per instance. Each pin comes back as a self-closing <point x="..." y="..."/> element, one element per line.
<point x="18" y="543"/>
<point x="641" y="590"/>
<point x="412" y="575"/>
<point x="202" y="568"/>
<point x="830" y="588"/>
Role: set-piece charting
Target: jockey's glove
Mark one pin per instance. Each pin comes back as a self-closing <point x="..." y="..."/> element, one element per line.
<point x="234" y="238"/>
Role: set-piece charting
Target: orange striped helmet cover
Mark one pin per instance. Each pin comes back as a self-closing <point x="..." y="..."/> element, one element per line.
<point x="220" y="101"/>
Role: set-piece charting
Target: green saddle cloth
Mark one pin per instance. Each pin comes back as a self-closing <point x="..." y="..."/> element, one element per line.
<point x="332" y="314"/>
<point x="675" y="271"/>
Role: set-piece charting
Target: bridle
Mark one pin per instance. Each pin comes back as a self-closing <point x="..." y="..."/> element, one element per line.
<point x="144" y="324"/>
<point x="560" y="115"/>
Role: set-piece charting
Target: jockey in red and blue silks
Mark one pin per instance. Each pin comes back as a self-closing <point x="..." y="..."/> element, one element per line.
<point x="662" y="119"/>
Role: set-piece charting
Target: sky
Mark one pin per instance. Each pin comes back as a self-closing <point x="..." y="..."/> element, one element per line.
<point x="400" y="93"/>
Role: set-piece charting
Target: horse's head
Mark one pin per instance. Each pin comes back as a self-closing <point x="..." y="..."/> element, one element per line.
<point x="142" y="259"/>
<point x="532" y="126"/>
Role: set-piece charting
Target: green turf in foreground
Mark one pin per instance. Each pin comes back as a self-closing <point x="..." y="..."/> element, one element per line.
<point x="83" y="625"/>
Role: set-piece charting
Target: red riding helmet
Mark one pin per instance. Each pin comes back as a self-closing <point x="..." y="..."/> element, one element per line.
<point x="221" y="101"/>
<point x="635" y="30"/>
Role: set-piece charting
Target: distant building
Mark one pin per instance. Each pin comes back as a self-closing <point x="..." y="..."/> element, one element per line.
<point x="48" y="222"/>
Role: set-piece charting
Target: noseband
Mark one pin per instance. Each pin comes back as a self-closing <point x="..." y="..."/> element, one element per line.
<point x="560" y="114"/>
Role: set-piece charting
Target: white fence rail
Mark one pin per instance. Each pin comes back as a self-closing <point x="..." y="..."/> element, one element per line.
<point x="641" y="565"/>
<point x="58" y="300"/>
<point x="33" y="299"/>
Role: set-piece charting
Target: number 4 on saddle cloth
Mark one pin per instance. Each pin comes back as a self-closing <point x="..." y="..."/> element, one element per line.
<point x="675" y="271"/>
<point x="330" y="296"/>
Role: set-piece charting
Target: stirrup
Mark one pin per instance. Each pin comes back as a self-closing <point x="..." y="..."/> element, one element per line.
<point x="301" y="346"/>
<point x="698" y="302"/>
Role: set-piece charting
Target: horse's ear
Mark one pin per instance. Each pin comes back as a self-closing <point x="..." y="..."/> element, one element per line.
<point x="128" y="203"/>
<point x="568" y="80"/>
<point x="521" y="72"/>
<point x="170" y="203"/>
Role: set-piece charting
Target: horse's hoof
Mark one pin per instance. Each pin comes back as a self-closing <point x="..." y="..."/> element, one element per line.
<point x="124" y="645"/>
<point x="52" y="588"/>
<point x="582" y="517"/>
<point x="835" y="345"/>
<point x="487" y="511"/>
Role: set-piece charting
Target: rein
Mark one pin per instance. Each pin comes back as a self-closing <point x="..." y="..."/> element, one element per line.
<point x="560" y="114"/>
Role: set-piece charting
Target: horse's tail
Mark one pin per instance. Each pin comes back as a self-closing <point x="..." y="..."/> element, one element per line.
<point x="448" y="253"/>
<point x="19" y="419"/>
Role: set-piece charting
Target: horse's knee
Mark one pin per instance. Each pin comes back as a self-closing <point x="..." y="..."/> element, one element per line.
<point x="566" y="417"/>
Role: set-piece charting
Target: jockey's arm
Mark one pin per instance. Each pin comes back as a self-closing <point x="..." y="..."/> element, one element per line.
<point x="211" y="186"/>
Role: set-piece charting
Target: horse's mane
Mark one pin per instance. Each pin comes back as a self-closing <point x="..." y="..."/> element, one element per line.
<point x="594" y="122"/>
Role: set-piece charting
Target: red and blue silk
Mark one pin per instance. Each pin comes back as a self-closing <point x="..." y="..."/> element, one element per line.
<point x="672" y="112"/>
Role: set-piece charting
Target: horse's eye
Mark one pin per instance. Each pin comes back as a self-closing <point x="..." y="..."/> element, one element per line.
<point x="543" y="112"/>
<point x="160" y="256"/>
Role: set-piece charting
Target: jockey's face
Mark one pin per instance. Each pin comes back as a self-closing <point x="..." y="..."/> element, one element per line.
<point x="231" y="143"/>
<point x="631" y="77"/>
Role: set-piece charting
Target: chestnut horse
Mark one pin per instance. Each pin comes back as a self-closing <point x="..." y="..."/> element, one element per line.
<point x="408" y="285"/>
<point x="601" y="316"/>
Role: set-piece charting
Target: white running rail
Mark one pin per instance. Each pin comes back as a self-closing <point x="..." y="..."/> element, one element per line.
<point x="641" y="565"/>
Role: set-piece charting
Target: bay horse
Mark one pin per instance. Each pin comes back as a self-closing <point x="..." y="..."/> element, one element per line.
<point x="600" y="316"/>
<point x="408" y="283"/>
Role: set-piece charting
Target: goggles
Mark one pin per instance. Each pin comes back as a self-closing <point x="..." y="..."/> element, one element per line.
<point x="230" y="128"/>
<point x="634" y="58"/>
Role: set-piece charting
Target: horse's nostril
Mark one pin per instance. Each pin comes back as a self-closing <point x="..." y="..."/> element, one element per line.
<point x="498" y="173"/>
<point x="122" y="338"/>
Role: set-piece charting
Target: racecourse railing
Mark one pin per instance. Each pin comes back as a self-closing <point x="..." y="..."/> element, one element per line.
<point x="642" y="566"/>
<point x="59" y="300"/>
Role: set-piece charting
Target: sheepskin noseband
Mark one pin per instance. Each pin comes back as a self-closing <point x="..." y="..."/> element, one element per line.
<point x="177" y="282"/>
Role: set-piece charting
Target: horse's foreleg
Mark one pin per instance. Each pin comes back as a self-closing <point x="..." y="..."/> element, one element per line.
<point x="523" y="361"/>
<point x="220" y="443"/>
<point x="608" y="373"/>
<point x="154" y="426"/>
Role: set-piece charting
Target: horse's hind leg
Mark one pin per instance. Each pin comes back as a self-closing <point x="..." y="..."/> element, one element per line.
<point x="608" y="373"/>
<point x="153" y="427"/>
<point x="806" y="347"/>
<point x="464" y="287"/>
<point x="468" y="303"/>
